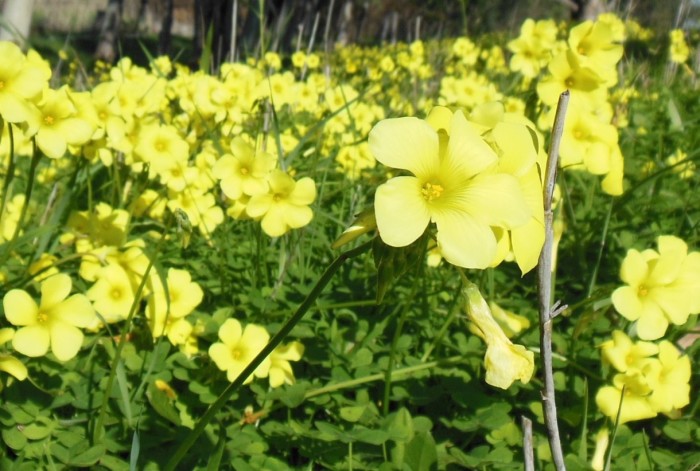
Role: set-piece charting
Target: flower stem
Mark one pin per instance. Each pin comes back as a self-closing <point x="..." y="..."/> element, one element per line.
<point x="98" y="431"/>
<point x="544" y="272"/>
<point x="274" y="342"/>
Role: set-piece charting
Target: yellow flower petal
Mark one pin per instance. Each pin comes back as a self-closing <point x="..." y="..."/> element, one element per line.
<point x="76" y="310"/>
<point x="32" y="340"/>
<point x="66" y="340"/>
<point x="496" y="200"/>
<point x="467" y="153"/>
<point x="627" y="303"/>
<point x="464" y="241"/>
<point x="652" y="323"/>
<point x="20" y="308"/>
<point x="230" y="331"/>
<point x="405" y="143"/>
<point x="54" y="290"/>
<point x="13" y="366"/>
<point x="51" y="142"/>
<point x="402" y="213"/>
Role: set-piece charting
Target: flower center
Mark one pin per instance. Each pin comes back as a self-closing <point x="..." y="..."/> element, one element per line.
<point x="642" y="291"/>
<point x="569" y="82"/>
<point x="48" y="120"/>
<point x="244" y="171"/>
<point x="116" y="293"/>
<point x="42" y="317"/>
<point x="431" y="191"/>
<point x="236" y="353"/>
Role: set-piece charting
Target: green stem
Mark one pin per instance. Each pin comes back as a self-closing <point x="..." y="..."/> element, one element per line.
<point x="438" y="338"/>
<point x="378" y="376"/>
<point x="274" y="342"/>
<point x="27" y="196"/>
<point x="10" y="169"/>
<point x="98" y="431"/>
<point x="392" y="355"/>
<point x="601" y="249"/>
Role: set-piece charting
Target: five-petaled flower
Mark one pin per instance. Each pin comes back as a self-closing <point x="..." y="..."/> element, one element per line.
<point x="53" y="324"/>
<point x="455" y="184"/>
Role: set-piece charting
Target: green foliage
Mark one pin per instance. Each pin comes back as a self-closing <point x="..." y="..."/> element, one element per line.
<point x="391" y="377"/>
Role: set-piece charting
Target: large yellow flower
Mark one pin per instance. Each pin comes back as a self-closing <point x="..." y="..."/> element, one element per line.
<point x="454" y="184"/>
<point x="53" y="324"/>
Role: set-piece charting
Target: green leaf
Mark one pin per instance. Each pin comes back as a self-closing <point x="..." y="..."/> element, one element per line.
<point x="14" y="438"/>
<point x="352" y="413"/>
<point x="421" y="454"/>
<point x="367" y="435"/>
<point x="89" y="457"/>
<point x="162" y="404"/>
<point x="680" y="430"/>
<point x="400" y="426"/>
<point x="293" y="395"/>
<point x="214" y="461"/>
<point x="42" y="428"/>
<point x="665" y="459"/>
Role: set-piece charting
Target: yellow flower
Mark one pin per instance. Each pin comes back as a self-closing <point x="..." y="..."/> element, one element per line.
<point x="681" y="165"/>
<point x="623" y="354"/>
<point x="635" y="405"/>
<point x="504" y="361"/>
<point x="112" y="294"/>
<point x="602" y="440"/>
<point x="8" y="363"/>
<point x="661" y="287"/>
<point x="678" y="50"/>
<point x="57" y="124"/>
<point x="280" y="369"/>
<point x="21" y="81"/>
<point x="54" y="324"/>
<point x="286" y="206"/>
<point x="244" y="172"/>
<point x="453" y="185"/>
<point x="238" y="347"/>
<point x="669" y="378"/>
<point x="595" y="47"/>
<point x="511" y="323"/>
<point x="166" y="313"/>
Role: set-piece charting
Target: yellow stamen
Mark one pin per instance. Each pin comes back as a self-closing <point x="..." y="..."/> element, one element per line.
<point x="431" y="191"/>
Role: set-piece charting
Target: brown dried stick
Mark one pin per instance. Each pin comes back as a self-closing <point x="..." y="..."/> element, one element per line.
<point x="544" y="271"/>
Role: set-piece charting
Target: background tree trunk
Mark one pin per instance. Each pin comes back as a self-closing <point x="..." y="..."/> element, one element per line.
<point x="109" y="32"/>
<point x="17" y="20"/>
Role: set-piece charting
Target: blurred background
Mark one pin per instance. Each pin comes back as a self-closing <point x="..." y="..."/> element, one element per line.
<point x="109" y="29"/>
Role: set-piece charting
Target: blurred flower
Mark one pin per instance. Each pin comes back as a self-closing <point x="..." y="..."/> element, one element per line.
<point x="670" y="380"/>
<point x="280" y="369"/>
<point x="623" y="354"/>
<point x="166" y="311"/>
<point x="243" y="172"/>
<point x="661" y="287"/>
<point x="602" y="440"/>
<point x="632" y="388"/>
<point x="285" y="206"/>
<point x="678" y="50"/>
<point x="54" y="324"/>
<point x="511" y="323"/>
<point x="21" y="82"/>
<point x="238" y="347"/>
<point x="8" y="363"/>
<point x="681" y="166"/>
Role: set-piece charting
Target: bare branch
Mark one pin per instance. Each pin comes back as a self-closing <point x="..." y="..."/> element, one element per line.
<point x="545" y="288"/>
<point x="528" y="452"/>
